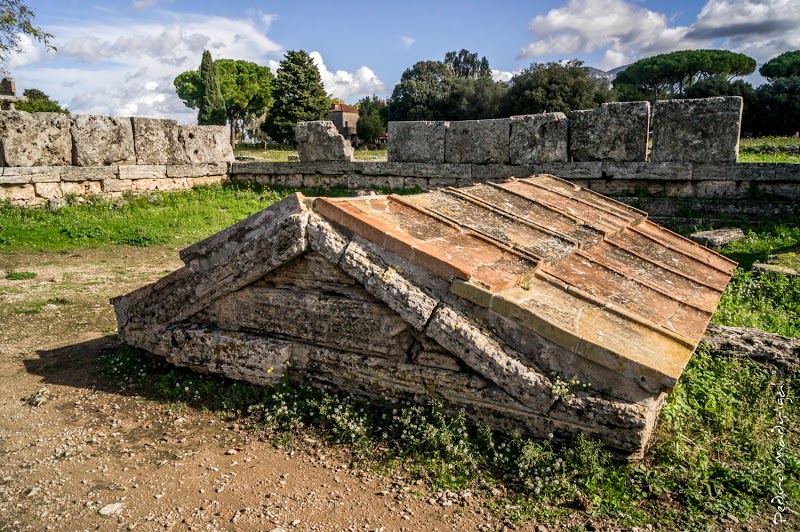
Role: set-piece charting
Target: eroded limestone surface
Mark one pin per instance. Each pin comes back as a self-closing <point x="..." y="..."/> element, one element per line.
<point x="35" y="139"/>
<point x="319" y="140"/>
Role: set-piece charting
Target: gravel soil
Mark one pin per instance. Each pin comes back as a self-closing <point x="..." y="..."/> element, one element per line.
<point x="97" y="455"/>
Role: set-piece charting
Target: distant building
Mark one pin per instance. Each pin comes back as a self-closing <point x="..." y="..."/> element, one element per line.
<point x="8" y="94"/>
<point x="345" y="118"/>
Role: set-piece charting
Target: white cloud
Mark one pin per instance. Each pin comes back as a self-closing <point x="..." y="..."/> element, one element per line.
<point x="621" y="29"/>
<point x="759" y="28"/>
<point x="408" y="42"/>
<point x="127" y="67"/>
<point x="502" y="75"/>
<point x="30" y="53"/>
<point x="347" y="86"/>
<point x="624" y="31"/>
<point x="143" y="4"/>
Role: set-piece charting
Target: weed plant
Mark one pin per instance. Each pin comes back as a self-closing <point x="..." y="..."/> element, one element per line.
<point x="20" y="276"/>
<point x="714" y="453"/>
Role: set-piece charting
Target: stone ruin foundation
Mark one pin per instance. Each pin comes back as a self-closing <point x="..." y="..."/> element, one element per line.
<point x="488" y="298"/>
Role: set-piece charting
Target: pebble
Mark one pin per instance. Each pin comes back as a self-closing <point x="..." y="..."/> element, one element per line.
<point x="111" y="509"/>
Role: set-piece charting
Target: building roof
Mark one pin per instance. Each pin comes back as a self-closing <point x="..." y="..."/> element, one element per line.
<point x="342" y="107"/>
<point x="584" y="271"/>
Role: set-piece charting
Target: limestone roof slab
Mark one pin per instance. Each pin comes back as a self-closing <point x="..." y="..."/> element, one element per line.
<point x="587" y="272"/>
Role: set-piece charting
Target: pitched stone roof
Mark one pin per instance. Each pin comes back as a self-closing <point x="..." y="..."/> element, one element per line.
<point x="482" y="297"/>
<point x="586" y="272"/>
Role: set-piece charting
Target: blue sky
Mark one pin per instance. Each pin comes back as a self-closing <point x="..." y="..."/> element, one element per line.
<point x="119" y="57"/>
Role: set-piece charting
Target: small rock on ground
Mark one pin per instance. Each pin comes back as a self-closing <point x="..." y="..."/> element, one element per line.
<point x="717" y="237"/>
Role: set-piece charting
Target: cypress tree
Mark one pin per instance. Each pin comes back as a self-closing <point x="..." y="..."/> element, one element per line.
<point x="212" y="105"/>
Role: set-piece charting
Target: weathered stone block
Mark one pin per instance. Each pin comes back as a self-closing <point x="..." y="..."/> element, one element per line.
<point x="35" y="139"/>
<point x="17" y="193"/>
<point x="319" y="140"/>
<point x="614" y="132"/>
<point x="102" y="140"/>
<point x="697" y="130"/>
<point x="541" y="138"/>
<point x="478" y="141"/>
<point x="115" y="186"/>
<point x="648" y="171"/>
<point x="87" y="173"/>
<point x="153" y="171"/>
<point x="205" y="144"/>
<point x="196" y="170"/>
<point x="420" y="142"/>
<point x="717" y="237"/>
<point x="156" y="141"/>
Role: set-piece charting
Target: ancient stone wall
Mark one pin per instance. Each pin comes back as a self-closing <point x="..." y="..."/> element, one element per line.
<point x="49" y="156"/>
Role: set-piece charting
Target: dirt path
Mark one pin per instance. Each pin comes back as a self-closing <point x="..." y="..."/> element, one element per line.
<point x="95" y="442"/>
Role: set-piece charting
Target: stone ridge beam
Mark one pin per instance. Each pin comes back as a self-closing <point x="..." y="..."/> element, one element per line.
<point x="613" y="132"/>
<point x="704" y="130"/>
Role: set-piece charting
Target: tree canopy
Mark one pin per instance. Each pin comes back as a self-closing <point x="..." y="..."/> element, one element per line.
<point x="299" y="95"/>
<point x="246" y="89"/>
<point x="371" y="118"/>
<point x="554" y="87"/>
<point x="212" y="105"/>
<point x="670" y="74"/>
<point x="785" y="65"/>
<point x="39" y="102"/>
<point x="458" y="88"/>
<point x="16" y="18"/>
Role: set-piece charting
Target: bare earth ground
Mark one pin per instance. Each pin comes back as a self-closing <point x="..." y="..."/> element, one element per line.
<point x="96" y="442"/>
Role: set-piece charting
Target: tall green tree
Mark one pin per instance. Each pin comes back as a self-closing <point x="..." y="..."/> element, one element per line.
<point x="16" y="19"/>
<point x="669" y="75"/>
<point x="466" y="64"/>
<point x="554" y="87"/>
<point x="212" y="105"/>
<point x="371" y="118"/>
<point x="246" y="89"/>
<point x="458" y="88"/>
<point x="39" y="102"/>
<point x="299" y="96"/>
<point x="785" y="65"/>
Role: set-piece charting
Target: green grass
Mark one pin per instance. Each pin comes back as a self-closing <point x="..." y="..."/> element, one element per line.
<point x="769" y="150"/>
<point x="36" y="308"/>
<point x="175" y="218"/>
<point x="20" y="276"/>
<point x="713" y="452"/>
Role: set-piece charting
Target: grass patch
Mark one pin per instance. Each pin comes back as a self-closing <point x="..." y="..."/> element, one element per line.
<point x="20" y="276"/>
<point x="36" y="308"/>
<point x="767" y="157"/>
<point x="177" y="218"/>
<point x="713" y="452"/>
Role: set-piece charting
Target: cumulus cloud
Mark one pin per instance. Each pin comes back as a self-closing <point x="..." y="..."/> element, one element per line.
<point x="502" y="75"/>
<point x="408" y="42"/>
<point x="127" y="67"/>
<point x="625" y="31"/>
<point x="345" y="85"/>
<point x="759" y="28"/>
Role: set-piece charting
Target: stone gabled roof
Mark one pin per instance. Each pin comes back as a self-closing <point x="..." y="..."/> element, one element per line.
<point x="524" y="283"/>
<point x="586" y="272"/>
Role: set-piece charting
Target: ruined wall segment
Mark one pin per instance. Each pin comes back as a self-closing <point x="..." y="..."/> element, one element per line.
<point x="205" y="144"/>
<point x="319" y="140"/>
<point x="101" y="140"/>
<point x="702" y="130"/>
<point x="539" y="138"/>
<point x="417" y="142"/>
<point x="613" y="132"/>
<point x="156" y="141"/>
<point x="477" y="141"/>
<point x="35" y="139"/>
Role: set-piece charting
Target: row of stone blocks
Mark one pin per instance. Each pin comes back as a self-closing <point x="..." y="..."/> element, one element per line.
<point x="54" y="139"/>
<point x="699" y="130"/>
